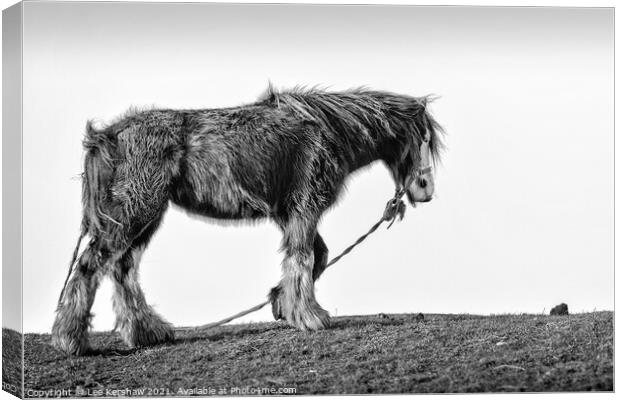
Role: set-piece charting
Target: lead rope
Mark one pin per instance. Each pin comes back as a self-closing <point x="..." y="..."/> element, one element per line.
<point x="395" y="207"/>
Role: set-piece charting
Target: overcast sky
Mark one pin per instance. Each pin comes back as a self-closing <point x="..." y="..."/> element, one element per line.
<point x="523" y="214"/>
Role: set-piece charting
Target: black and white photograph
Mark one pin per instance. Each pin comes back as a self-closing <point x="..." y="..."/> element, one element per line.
<point x="226" y="199"/>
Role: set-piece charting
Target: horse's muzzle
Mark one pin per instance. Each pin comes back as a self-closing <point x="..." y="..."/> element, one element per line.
<point x="418" y="199"/>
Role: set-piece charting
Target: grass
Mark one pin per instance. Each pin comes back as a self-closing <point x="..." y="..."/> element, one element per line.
<point x="12" y="361"/>
<point x="360" y="354"/>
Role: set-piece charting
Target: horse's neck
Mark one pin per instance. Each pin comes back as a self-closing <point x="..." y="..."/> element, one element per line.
<point x="363" y="156"/>
<point x="363" y="159"/>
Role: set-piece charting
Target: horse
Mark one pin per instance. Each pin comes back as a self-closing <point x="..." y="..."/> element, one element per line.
<point x="284" y="158"/>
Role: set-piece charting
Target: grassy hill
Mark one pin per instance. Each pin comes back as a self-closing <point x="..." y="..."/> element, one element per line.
<point x="12" y="361"/>
<point x="360" y="354"/>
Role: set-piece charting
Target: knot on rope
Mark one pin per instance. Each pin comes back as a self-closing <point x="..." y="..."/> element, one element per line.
<point x="395" y="207"/>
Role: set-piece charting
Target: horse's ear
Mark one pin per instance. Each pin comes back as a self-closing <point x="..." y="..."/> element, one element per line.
<point x="91" y="131"/>
<point x="423" y="101"/>
<point x="270" y="92"/>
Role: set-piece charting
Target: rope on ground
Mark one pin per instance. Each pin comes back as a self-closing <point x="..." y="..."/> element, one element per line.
<point x="394" y="208"/>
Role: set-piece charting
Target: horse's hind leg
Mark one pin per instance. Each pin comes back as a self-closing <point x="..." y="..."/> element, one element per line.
<point x="138" y="323"/>
<point x="70" y="329"/>
<point x="294" y="294"/>
<point x="320" y="257"/>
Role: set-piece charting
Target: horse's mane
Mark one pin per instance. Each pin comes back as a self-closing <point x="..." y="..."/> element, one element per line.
<point x="365" y="114"/>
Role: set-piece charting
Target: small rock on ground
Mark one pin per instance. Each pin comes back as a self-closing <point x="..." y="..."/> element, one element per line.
<point x="560" y="309"/>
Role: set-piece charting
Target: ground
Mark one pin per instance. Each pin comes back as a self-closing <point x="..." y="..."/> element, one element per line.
<point x="362" y="354"/>
<point x="12" y="361"/>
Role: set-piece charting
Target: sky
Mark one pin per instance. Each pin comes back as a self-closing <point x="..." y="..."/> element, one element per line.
<point x="522" y="218"/>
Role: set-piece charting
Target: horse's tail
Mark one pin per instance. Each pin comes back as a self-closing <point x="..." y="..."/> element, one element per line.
<point x="98" y="171"/>
<point x="101" y="152"/>
<point x="71" y="264"/>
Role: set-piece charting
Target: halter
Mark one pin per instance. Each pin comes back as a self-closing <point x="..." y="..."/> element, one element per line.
<point x="415" y="172"/>
<point x="396" y="207"/>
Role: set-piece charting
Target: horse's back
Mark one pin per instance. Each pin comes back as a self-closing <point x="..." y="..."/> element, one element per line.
<point x="236" y="162"/>
<point x="240" y="163"/>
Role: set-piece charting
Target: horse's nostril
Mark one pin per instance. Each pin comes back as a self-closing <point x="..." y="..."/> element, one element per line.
<point x="422" y="183"/>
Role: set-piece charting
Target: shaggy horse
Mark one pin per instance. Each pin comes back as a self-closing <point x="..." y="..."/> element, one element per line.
<point x="284" y="157"/>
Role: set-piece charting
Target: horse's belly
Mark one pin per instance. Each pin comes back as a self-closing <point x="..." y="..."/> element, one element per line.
<point x="209" y="182"/>
<point x="217" y="199"/>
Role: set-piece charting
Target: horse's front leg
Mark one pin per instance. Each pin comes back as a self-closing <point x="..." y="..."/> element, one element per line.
<point x="320" y="257"/>
<point x="320" y="264"/>
<point x="293" y="299"/>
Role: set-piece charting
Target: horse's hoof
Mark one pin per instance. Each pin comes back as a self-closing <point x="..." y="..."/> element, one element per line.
<point x="276" y="307"/>
<point x="147" y="332"/>
<point x="308" y="317"/>
<point x="70" y="346"/>
<point x="314" y="321"/>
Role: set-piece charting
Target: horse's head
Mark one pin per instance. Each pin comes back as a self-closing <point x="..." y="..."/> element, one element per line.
<point x="413" y="172"/>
